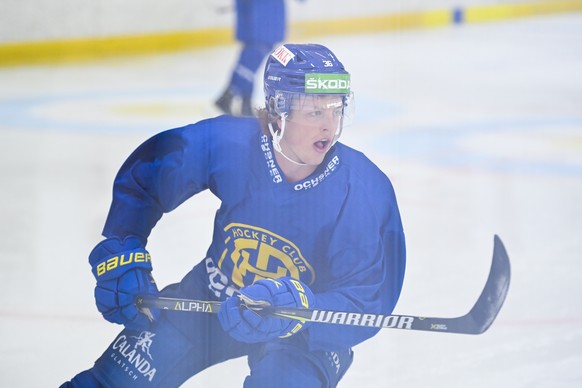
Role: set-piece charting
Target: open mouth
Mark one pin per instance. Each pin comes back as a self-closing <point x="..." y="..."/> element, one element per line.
<point x="321" y="144"/>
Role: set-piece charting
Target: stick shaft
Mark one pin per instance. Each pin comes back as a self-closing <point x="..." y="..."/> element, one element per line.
<point x="477" y="321"/>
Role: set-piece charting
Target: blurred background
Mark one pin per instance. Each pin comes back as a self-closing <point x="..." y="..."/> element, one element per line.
<point x="473" y="108"/>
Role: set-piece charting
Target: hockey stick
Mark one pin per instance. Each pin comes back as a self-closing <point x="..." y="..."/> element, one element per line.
<point x="476" y="321"/>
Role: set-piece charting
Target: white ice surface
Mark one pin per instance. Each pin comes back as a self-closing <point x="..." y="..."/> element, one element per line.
<point x="479" y="128"/>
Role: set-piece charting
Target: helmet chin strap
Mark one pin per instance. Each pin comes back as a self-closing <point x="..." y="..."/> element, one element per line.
<point x="277" y="138"/>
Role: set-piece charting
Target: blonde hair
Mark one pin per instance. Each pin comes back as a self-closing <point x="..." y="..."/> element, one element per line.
<point x="265" y="119"/>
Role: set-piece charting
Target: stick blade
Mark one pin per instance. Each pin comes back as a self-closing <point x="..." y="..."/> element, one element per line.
<point x="485" y="310"/>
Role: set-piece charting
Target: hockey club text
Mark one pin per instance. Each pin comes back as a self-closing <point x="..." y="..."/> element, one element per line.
<point x="257" y="253"/>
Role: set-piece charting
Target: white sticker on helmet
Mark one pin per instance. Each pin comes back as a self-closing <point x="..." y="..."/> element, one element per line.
<point x="283" y="55"/>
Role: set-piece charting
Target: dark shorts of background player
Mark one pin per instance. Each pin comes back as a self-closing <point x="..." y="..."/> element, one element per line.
<point x="179" y="345"/>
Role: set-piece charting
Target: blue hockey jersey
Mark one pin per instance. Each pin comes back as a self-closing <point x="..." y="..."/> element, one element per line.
<point x="339" y="230"/>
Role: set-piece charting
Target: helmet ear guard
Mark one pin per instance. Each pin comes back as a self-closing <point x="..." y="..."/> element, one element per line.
<point x="274" y="113"/>
<point x="277" y="105"/>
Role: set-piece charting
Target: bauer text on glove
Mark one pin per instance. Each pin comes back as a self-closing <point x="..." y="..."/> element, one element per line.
<point x="123" y="271"/>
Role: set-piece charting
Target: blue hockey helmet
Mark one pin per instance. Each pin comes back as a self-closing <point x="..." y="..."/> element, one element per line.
<point x="310" y="69"/>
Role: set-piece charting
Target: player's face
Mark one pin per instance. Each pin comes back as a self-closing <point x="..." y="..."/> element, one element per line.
<point x="311" y="127"/>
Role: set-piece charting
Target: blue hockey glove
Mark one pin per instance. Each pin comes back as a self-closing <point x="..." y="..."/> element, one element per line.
<point x="123" y="271"/>
<point x="248" y="326"/>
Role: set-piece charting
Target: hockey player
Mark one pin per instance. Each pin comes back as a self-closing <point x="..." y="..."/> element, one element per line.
<point x="260" y="24"/>
<point x="304" y="221"/>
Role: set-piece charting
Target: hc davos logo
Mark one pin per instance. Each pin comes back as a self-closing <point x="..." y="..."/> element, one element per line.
<point x="133" y="360"/>
<point x="255" y="253"/>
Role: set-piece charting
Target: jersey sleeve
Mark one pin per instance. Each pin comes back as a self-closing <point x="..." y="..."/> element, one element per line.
<point x="158" y="176"/>
<point x="366" y="270"/>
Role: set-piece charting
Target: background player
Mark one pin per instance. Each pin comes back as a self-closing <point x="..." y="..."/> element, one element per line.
<point x="260" y="24"/>
<point x="304" y="221"/>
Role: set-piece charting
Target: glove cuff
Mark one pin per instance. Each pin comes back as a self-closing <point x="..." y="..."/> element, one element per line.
<point x="112" y="257"/>
<point x="113" y="266"/>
